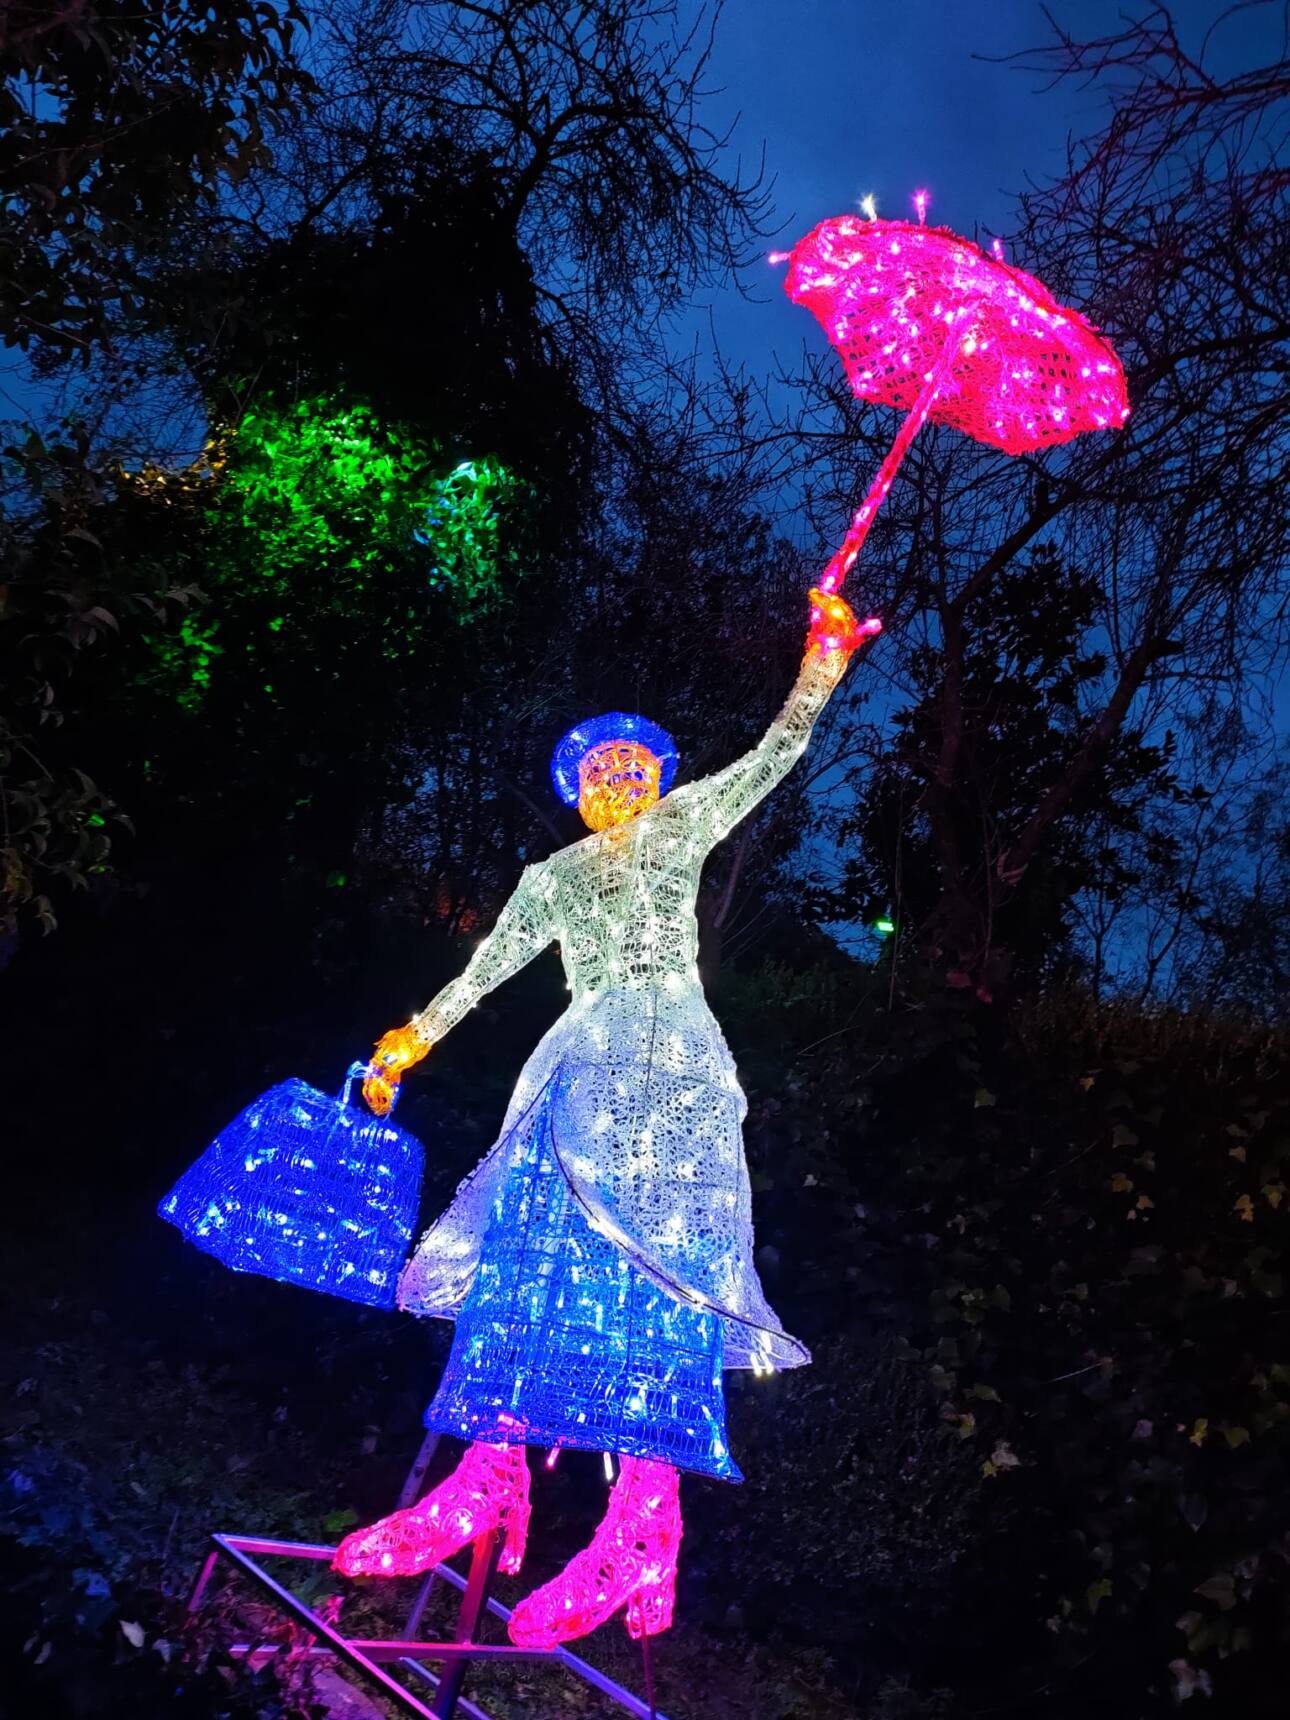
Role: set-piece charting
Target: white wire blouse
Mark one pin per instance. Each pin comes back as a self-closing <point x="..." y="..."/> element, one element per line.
<point x="635" y="1080"/>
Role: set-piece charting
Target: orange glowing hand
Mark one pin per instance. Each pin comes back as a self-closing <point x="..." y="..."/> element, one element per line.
<point x="834" y="626"/>
<point x="395" y="1051"/>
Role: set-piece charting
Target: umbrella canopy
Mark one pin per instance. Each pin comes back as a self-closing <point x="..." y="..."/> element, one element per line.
<point x="926" y="322"/>
<point x="1024" y="372"/>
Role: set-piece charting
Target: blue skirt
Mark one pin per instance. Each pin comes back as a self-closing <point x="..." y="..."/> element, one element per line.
<point x="561" y="1341"/>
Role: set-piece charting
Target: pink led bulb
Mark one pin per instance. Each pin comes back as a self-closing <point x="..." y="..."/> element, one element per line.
<point x="630" y="1563"/>
<point x="924" y="321"/>
<point x="489" y="1489"/>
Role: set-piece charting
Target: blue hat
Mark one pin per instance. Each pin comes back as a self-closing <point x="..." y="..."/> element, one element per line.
<point x="613" y="726"/>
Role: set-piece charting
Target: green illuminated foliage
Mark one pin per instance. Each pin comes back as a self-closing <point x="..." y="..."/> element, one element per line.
<point x="322" y="525"/>
<point x="325" y="486"/>
<point x="463" y="523"/>
<point x="182" y="660"/>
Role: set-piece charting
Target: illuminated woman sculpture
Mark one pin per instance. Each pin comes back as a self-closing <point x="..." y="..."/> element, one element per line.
<point x="599" y="1261"/>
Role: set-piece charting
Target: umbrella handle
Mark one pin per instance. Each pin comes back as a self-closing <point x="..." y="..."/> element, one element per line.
<point x="845" y="555"/>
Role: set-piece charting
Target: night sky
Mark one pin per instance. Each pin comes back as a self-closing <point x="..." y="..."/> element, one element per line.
<point x="852" y="96"/>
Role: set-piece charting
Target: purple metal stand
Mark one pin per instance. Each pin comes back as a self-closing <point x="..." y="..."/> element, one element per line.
<point x="369" y="1656"/>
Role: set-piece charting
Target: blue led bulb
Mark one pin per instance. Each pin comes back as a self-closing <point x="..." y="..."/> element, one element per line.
<point x="595" y="732"/>
<point x="306" y="1189"/>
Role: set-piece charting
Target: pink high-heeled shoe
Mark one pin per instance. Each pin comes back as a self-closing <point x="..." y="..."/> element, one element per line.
<point x="631" y="1562"/>
<point x="489" y="1489"/>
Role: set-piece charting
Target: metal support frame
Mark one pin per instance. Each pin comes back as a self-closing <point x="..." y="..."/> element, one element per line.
<point x="369" y="1656"/>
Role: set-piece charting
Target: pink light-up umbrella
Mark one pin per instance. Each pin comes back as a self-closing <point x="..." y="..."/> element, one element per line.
<point x="924" y="321"/>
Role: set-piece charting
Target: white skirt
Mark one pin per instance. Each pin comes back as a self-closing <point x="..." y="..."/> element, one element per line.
<point x="646" y="1116"/>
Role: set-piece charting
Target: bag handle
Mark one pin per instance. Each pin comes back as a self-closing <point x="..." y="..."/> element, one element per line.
<point x="355" y="1072"/>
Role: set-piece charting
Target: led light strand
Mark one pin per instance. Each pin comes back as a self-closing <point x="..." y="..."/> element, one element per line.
<point x="924" y="321"/>
<point x="630" y="1563"/>
<point x="307" y="1189"/>
<point x="847" y="552"/>
<point x="598" y="1263"/>
<point x="489" y="1489"/>
<point x="562" y="1342"/>
<point x="635" y="1084"/>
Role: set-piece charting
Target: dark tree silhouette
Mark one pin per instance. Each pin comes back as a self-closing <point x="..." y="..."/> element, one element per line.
<point x="113" y="123"/>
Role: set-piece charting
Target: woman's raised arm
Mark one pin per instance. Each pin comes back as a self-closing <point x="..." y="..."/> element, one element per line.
<point x="719" y="801"/>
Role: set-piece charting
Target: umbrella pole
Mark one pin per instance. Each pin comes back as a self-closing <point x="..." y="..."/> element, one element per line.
<point x="845" y="555"/>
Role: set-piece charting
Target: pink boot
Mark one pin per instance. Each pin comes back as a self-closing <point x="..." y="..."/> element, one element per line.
<point x="631" y="1562"/>
<point x="488" y="1489"/>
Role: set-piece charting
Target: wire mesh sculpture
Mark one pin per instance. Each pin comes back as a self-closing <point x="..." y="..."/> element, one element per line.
<point x="631" y="1561"/>
<point x="620" y="728"/>
<point x="307" y="1189"/>
<point x="599" y="1261"/>
<point x="634" y="1088"/>
<point x="562" y="1341"/>
<point x="489" y="1488"/>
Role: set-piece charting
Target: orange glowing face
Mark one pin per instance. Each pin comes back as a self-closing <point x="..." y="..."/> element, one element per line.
<point x="617" y="782"/>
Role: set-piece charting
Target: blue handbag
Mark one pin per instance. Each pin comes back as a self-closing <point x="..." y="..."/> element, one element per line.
<point x="306" y="1189"/>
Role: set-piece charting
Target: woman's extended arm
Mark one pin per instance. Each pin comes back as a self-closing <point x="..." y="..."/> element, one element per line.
<point x="719" y="801"/>
<point x="524" y="928"/>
